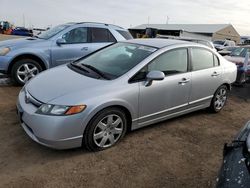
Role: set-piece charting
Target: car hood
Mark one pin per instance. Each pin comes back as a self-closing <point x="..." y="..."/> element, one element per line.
<point x="61" y="81"/>
<point x="234" y="59"/>
<point x="21" y="42"/>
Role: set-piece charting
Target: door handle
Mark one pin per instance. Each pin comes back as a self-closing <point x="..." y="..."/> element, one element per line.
<point x="184" y="81"/>
<point x="215" y="74"/>
<point x="84" y="48"/>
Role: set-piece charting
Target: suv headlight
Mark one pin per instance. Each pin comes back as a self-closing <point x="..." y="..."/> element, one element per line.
<point x="4" y="51"/>
<point x="58" y="110"/>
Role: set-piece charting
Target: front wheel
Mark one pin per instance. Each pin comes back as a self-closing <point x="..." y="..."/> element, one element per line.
<point x="105" y="129"/>
<point x="219" y="99"/>
<point x="25" y="69"/>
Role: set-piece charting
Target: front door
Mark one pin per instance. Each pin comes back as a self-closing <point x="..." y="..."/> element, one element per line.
<point x="170" y="95"/>
<point x="76" y="46"/>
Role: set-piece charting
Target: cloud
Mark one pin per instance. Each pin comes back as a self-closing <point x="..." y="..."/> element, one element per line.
<point x="127" y="13"/>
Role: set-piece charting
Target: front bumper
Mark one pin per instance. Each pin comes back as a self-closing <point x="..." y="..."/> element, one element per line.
<point x="4" y="64"/>
<point x="58" y="132"/>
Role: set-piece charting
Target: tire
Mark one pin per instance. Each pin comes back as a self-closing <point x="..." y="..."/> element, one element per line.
<point x="100" y="134"/>
<point x="219" y="100"/>
<point x="25" y="69"/>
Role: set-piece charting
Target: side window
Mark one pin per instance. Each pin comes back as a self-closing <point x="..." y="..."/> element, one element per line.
<point x="216" y="61"/>
<point x="172" y="62"/>
<point x="202" y="59"/>
<point x="77" y="35"/>
<point x="101" y="35"/>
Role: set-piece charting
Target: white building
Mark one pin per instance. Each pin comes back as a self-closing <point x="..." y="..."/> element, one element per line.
<point x="203" y="31"/>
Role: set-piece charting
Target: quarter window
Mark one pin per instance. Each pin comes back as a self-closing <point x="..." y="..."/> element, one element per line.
<point x="216" y="61"/>
<point x="202" y="59"/>
<point x="101" y="35"/>
<point x="77" y="35"/>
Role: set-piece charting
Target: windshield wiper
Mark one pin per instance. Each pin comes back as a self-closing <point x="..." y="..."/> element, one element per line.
<point x="79" y="66"/>
<point x="100" y="73"/>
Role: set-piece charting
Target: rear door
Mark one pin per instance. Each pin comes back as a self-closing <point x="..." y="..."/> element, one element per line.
<point x="77" y="45"/>
<point x="206" y="75"/>
<point x="100" y="37"/>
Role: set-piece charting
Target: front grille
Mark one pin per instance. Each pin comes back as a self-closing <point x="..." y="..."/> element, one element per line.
<point x="30" y="99"/>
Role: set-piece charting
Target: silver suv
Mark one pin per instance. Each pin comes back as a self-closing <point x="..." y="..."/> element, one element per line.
<point x="25" y="58"/>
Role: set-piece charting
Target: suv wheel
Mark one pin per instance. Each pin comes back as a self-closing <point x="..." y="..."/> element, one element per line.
<point x="25" y="69"/>
<point x="105" y="129"/>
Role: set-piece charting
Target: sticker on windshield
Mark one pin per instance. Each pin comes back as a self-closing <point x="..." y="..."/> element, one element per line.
<point x="147" y="48"/>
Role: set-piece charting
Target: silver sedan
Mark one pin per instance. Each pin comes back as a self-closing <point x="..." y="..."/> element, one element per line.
<point x="95" y="100"/>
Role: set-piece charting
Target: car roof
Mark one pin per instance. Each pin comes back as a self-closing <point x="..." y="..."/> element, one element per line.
<point x="158" y="42"/>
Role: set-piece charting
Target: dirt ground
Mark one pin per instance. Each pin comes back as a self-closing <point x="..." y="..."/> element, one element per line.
<point x="182" y="152"/>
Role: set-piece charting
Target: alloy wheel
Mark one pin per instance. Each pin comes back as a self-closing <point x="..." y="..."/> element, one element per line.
<point x="220" y="99"/>
<point x="26" y="71"/>
<point x="108" y="131"/>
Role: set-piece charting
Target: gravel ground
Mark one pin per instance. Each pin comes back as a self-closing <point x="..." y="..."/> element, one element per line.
<point x="7" y="37"/>
<point x="182" y="152"/>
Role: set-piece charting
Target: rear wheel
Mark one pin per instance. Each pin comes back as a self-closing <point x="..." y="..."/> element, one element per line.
<point x="105" y="129"/>
<point x="25" y="69"/>
<point x="219" y="99"/>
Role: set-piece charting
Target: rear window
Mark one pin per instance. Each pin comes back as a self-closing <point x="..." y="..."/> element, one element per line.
<point x="202" y="59"/>
<point x="101" y="35"/>
<point x="125" y="34"/>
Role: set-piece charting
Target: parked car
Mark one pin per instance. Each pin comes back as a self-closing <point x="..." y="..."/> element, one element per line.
<point x="128" y="85"/>
<point x="25" y="58"/>
<point x="227" y="50"/>
<point x="21" y="31"/>
<point x="199" y="41"/>
<point x="237" y="56"/>
<point x="234" y="172"/>
<point x="221" y="44"/>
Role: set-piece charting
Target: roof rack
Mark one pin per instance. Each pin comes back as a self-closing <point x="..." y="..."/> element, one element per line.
<point x="98" y="23"/>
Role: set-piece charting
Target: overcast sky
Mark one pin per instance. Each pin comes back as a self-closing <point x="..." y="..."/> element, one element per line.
<point x="127" y="13"/>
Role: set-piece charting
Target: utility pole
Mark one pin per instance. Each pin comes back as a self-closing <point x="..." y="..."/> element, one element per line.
<point x="167" y="20"/>
<point x="23" y="20"/>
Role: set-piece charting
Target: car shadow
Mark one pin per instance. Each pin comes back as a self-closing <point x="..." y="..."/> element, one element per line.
<point x="242" y="92"/>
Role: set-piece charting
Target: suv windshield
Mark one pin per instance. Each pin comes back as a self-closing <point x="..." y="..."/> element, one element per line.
<point x="52" y="32"/>
<point x="117" y="59"/>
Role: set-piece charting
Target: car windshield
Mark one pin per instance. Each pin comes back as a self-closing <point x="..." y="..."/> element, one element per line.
<point x="52" y="32"/>
<point x="117" y="59"/>
<point x="237" y="52"/>
<point x="219" y="42"/>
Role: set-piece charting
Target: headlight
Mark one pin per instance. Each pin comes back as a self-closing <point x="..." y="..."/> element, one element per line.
<point x="58" y="110"/>
<point x="4" y="51"/>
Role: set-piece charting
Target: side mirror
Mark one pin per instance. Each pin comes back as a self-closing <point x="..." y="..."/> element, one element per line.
<point x="154" y="75"/>
<point x="59" y="42"/>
